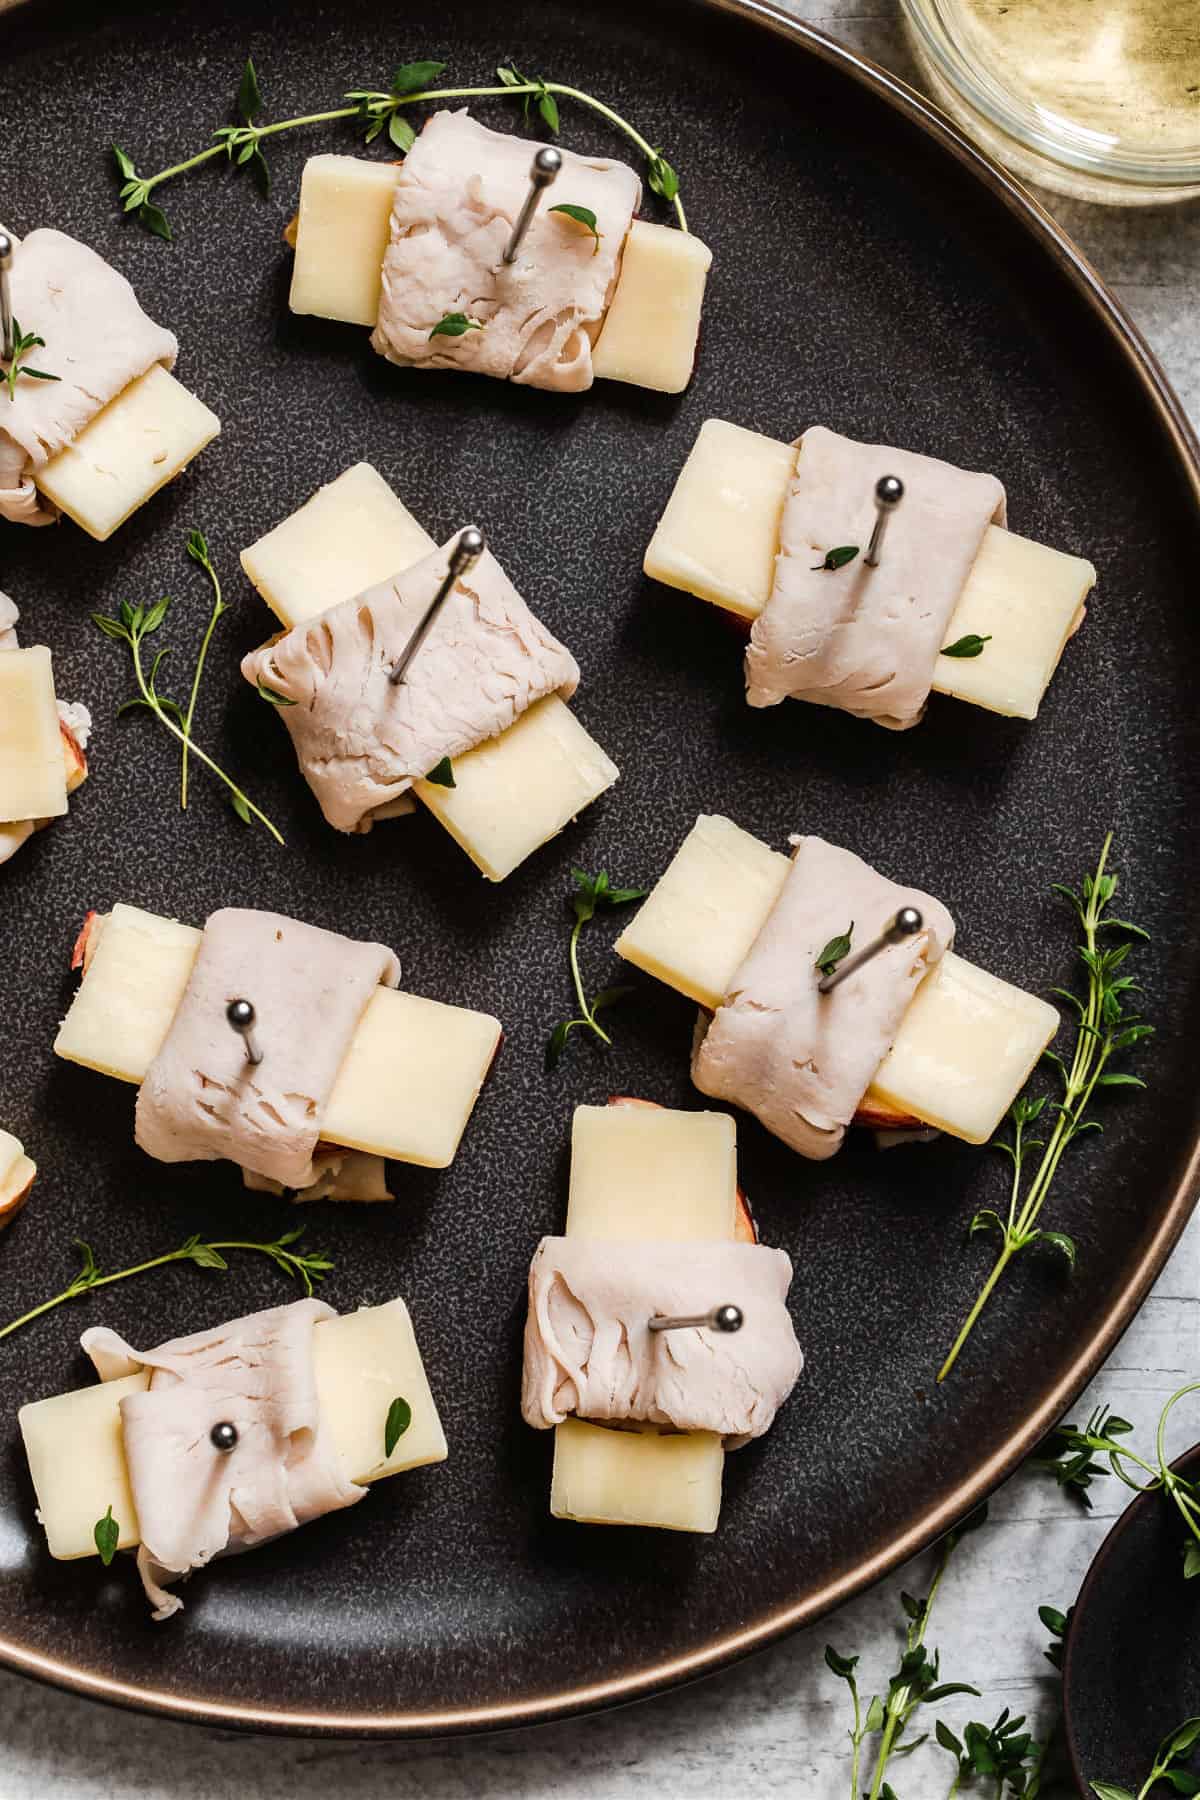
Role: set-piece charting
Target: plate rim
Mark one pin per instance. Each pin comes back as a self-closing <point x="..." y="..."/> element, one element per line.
<point x="653" y="1678"/>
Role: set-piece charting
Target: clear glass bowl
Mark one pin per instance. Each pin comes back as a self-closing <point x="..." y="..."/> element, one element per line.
<point x="1096" y="98"/>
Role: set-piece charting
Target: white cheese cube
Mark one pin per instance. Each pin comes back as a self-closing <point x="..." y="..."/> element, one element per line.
<point x="363" y="1361"/>
<point x="1028" y="599"/>
<point x="341" y="234"/>
<point x="123" y="1009"/>
<point x="352" y="533"/>
<point x="638" y="1477"/>
<point x="139" y="442"/>
<point x="719" y="535"/>
<point x="699" y="921"/>
<point x="516" y="791"/>
<point x="965" y="1048"/>
<point x="411" y="1078"/>
<point x="33" y="778"/>
<point x="650" y="1172"/>
<point x="650" y="330"/>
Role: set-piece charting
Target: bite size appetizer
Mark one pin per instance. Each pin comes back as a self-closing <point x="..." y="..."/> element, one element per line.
<point x="911" y="1040"/>
<point x="418" y="253"/>
<point x="643" y="1407"/>
<point x="227" y="1438"/>
<point x="479" y="730"/>
<point x="780" y="535"/>
<point x="330" y="1067"/>
<point x="17" y="1175"/>
<point x="92" y="422"/>
<point x="43" y="740"/>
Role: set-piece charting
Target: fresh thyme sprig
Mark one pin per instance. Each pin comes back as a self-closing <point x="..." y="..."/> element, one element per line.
<point x="1002" y="1754"/>
<point x="373" y="110"/>
<point x="455" y="324"/>
<point x="971" y="645"/>
<point x="582" y="215"/>
<point x="23" y="343"/>
<point x="132" y="626"/>
<point x="915" y="1683"/>
<point x="836" y="558"/>
<point x="1167" y="1768"/>
<point x="835" y="951"/>
<point x="593" y="891"/>
<point x="1103" y="1029"/>
<point x="305" y="1268"/>
<point x="1069" y="1455"/>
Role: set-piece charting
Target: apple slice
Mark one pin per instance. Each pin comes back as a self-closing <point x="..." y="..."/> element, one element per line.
<point x="17" y="1172"/>
<point x="74" y="758"/>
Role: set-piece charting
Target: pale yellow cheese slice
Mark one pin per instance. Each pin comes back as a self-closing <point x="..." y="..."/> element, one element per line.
<point x="518" y="790"/>
<point x="648" y="1173"/>
<point x="406" y="1089"/>
<point x="965" y="1047"/>
<point x="139" y="442"/>
<point x="352" y="533"/>
<point x="719" y="537"/>
<point x="341" y="236"/>
<point x="33" y="778"/>
<point x="363" y="1361"/>
<point x="650" y="329"/>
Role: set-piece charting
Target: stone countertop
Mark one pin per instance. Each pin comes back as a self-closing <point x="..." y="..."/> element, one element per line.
<point x="776" y="1725"/>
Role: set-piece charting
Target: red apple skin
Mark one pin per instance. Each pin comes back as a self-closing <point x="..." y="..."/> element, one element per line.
<point x="745" y="1231"/>
<point x="74" y="758"/>
<point x="79" y="954"/>
<point x="882" y="1118"/>
<point x="11" y="1206"/>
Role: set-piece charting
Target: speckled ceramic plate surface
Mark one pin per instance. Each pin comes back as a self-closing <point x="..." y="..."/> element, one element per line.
<point x="872" y="273"/>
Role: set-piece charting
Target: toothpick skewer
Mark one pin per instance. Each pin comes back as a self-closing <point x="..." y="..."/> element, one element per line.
<point x="889" y="492"/>
<point x="721" y="1318"/>
<point x="224" y="1436"/>
<point x="543" y="170"/>
<point x="242" y="1017"/>
<point x="465" y="554"/>
<point x="907" y="921"/>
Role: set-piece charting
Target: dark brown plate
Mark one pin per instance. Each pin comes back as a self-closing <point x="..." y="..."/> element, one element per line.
<point x="872" y="272"/>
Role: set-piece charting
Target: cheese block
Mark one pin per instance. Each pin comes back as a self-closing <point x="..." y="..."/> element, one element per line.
<point x="351" y="534"/>
<point x="965" y="1047"/>
<point x="649" y="1173"/>
<point x="33" y="779"/>
<point x="139" y="442"/>
<point x="650" y="330"/>
<point x="719" y="537"/>
<point x="341" y="236"/>
<point x="406" y="1089"/>
<point x="514" y="792"/>
<point x="363" y="1361"/>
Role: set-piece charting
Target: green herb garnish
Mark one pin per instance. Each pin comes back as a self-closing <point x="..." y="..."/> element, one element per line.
<point x="305" y="1269"/>
<point x="583" y="215"/>
<point x="837" y="559"/>
<point x="917" y="1682"/>
<point x="1002" y="1754"/>
<point x="971" y="645"/>
<point x="835" y="951"/>
<point x="1168" y="1767"/>
<point x="399" y="1418"/>
<point x="23" y="343"/>
<point x="442" y="774"/>
<point x="1103" y="1029"/>
<point x="594" y="892"/>
<point x="131" y="626"/>
<point x="455" y="324"/>
<point x="1056" y="1624"/>
<point x="273" y="694"/>
<point x="372" y="110"/>
<point x="106" y="1535"/>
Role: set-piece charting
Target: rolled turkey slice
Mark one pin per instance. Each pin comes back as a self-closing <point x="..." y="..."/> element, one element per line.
<point x="201" y="1099"/>
<point x="456" y="200"/>
<point x="800" y="1060"/>
<point x="98" y="340"/>
<point x="589" y="1350"/>
<point x="360" y="742"/>
<point x="193" y="1501"/>
<point x="864" y="639"/>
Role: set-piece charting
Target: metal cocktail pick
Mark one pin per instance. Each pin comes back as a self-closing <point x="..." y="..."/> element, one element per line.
<point x="241" y="1016"/>
<point x="906" y="922"/>
<point x="721" y="1318"/>
<point x="889" y="492"/>
<point x="7" y="334"/>
<point x="465" y="554"/>
<point x="543" y="170"/>
<point x="224" y="1436"/>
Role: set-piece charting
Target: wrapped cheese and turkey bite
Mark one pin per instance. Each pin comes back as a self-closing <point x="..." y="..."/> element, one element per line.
<point x="43" y="740"/>
<point x="916" y="1037"/>
<point x="956" y="603"/>
<point x="656" y="1228"/>
<point x="228" y="1438"/>
<point x="347" y="1061"/>
<point x="403" y="250"/>
<point x="104" y="424"/>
